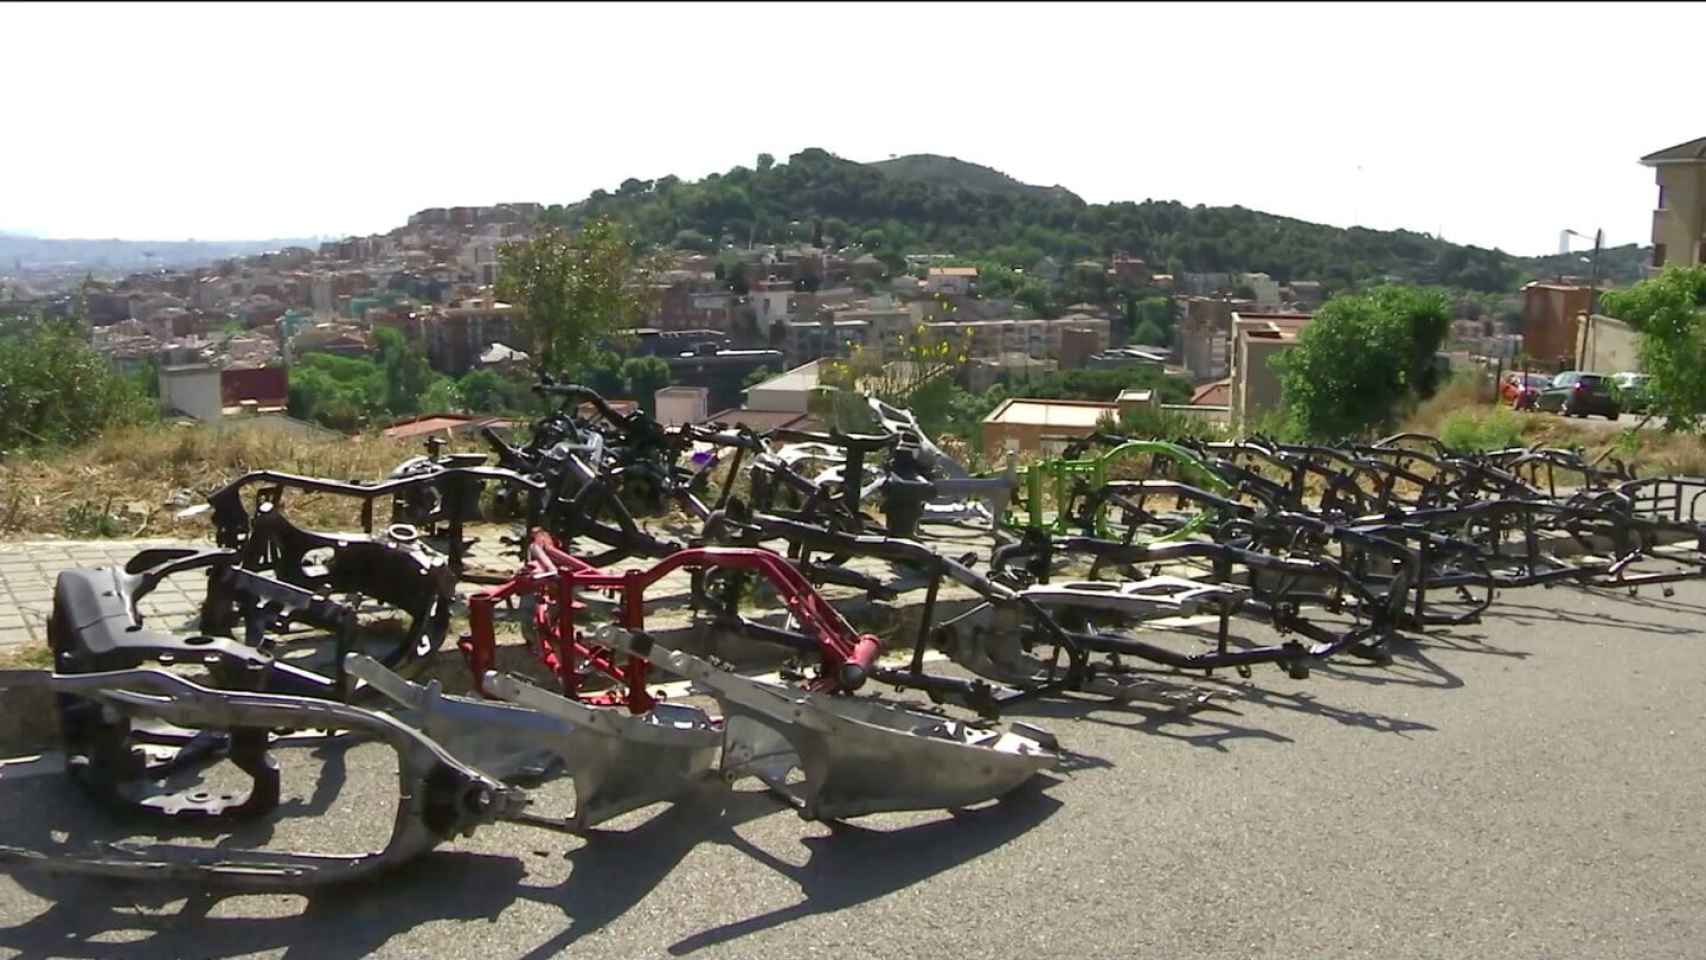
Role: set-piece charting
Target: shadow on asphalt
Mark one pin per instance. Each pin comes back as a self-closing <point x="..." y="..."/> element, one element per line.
<point x="854" y="865"/>
<point x="1527" y="615"/>
<point x="611" y="872"/>
<point x="1211" y="727"/>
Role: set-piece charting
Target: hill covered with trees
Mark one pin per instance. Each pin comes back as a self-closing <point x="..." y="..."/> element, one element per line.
<point x="925" y="203"/>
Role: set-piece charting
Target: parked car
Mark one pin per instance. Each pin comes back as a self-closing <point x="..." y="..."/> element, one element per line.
<point x="1576" y="393"/>
<point x="1519" y="389"/>
<point x="1632" y="392"/>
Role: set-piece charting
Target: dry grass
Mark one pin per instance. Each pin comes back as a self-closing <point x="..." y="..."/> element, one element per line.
<point x="1458" y="395"/>
<point x="124" y="483"/>
<point x="1650" y="451"/>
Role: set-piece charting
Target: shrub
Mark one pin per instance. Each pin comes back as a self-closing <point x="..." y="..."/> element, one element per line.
<point x="1494" y="428"/>
<point x="55" y="389"/>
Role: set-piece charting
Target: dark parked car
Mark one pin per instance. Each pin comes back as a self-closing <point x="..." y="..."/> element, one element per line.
<point x="1577" y="394"/>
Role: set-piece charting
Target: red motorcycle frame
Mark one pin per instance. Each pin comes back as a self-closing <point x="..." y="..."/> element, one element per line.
<point x="553" y="575"/>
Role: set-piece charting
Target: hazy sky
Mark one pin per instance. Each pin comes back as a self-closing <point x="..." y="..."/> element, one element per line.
<point x="1494" y="125"/>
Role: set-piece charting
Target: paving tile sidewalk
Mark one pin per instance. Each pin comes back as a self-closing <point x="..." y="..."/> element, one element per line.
<point x="28" y="570"/>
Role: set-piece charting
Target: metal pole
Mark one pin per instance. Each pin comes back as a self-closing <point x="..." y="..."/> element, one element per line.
<point x="1593" y="272"/>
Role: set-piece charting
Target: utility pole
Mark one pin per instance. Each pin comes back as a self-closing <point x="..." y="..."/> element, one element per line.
<point x="1593" y="272"/>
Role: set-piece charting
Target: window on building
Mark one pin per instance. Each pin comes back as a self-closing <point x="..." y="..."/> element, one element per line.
<point x="1658" y="254"/>
<point x="1662" y="197"/>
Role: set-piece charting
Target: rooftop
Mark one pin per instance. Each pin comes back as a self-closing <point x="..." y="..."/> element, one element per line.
<point x="1694" y="151"/>
<point x="679" y="391"/>
<point x="802" y="377"/>
<point x="420" y="426"/>
<point x="1051" y="413"/>
<point x="954" y="272"/>
<point x="762" y="420"/>
<point x="1217" y="393"/>
<point x="1273" y="326"/>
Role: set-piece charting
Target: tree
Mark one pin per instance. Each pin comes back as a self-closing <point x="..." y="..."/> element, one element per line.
<point x="148" y="378"/>
<point x="735" y="278"/>
<point x="692" y="240"/>
<point x="575" y="288"/>
<point x="602" y="371"/>
<point x="835" y="228"/>
<point x="1359" y="359"/>
<point x="407" y="373"/>
<point x="441" y="396"/>
<point x="765" y="162"/>
<point x="342" y="393"/>
<point x="483" y="392"/>
<point x="871" y="239"/>
<point x="756" y="377"/>
<point x="644" y="377"/>
<point x="1667" y="312"/>
<point x="1149" y="335"/>
<point x="55" y="389"/>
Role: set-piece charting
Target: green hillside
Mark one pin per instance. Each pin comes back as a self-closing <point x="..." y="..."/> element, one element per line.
<point x="948" y="173"/>
<point x="924" y="203"/>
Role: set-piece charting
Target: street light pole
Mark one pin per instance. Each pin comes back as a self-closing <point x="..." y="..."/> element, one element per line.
<point x="1593" y="272"/>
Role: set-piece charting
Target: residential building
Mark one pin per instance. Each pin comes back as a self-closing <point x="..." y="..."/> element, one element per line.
<point x="267" y="389"/>
<point x="1204" y="284"/>
<point x="1263" y="288"/>
<point x="1550" y="313"/>
<point x="804" y="340"/>
<point x="1204" y="327"/>
<point x="1607" y="345"/>
<point x="1306" y="293"/>
<point x="652" y="342"/>
<point x="456" y="336"/>
<point x="866" y="267"/>
<point x="720" y="371"/>
<point x="192" y="389"/>
<point x="1679" y="221"/>
<point x="1037" y="337"/>
<point x="1077" y="344"/>
<point x="771" y="302"/>
<point x="886" y="328"/>
<point x="959" y="281"/>
<point x="1130" y="271"/>
<point x="686" y="302"/>
<point x="1257" y="338"/>
<point x="335" y="337"/>
<point x="1027" y="425"/>
<point x="981" y="373"/>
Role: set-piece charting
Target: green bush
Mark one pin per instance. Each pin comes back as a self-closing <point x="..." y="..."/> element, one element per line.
<point x="1493" y="429"/>
<point x="1360" y="359"/>
<point x="55" y="389"/>
<point x="1153" y="423"/>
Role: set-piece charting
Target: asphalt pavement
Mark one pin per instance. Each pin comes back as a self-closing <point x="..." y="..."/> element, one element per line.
<point x="1526" y="787"/>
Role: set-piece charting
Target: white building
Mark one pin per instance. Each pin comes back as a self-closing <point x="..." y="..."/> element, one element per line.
<point x="192" y="389"/>
<point x="678" y="405"/>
